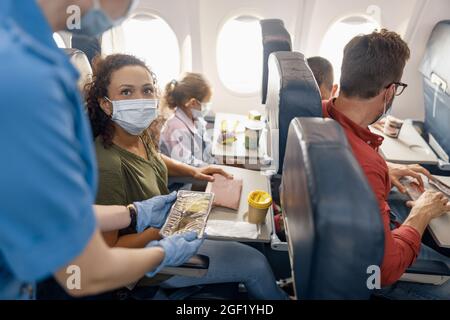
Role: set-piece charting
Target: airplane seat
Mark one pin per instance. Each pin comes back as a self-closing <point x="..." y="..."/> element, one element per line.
<point x="436" y="78"/>
<point x="275" y="38"/>
<point x="79" y="60"/>
<point x="148" y="288"/>
<point x="292" y="92"/>
<point x="89" y="45"/>
<point x="333" y="224"/>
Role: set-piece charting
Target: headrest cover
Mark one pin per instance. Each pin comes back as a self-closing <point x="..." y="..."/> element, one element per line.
<point x="320" y="132"/>
<point x="81" y="63"/>
<point x="436" y="59"/>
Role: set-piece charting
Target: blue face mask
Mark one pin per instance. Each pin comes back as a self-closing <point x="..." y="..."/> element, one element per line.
<point x="134" y="116"/>
<point x="196" y="114"/>
<point x="96" y="21"/>
<point x="387" y="109"/>
<point x="205" y="108"/>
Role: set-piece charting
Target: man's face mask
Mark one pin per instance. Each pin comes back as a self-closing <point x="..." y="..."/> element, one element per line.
<point x="96" y="20"/>
<point x="134" y="116"/>
<point x="386" y="109"/>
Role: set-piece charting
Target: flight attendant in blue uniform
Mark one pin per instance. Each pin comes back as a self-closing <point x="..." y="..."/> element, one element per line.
<point x="48" y="171"/>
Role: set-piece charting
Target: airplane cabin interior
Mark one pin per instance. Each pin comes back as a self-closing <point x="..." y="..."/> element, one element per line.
<point x="256" y="130"/>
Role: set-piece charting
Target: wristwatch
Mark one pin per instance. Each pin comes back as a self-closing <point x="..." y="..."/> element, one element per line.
<point x="133" y="215"/>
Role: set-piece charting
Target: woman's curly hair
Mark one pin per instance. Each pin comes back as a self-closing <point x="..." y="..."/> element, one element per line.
<point x="103" y="68"/>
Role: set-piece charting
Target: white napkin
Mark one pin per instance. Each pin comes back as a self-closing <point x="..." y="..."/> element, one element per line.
<point x="232" y="229"/>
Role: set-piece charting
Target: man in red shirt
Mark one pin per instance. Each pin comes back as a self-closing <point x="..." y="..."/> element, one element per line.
<point x="371" y="71"/>
<point x="323" y="72"/>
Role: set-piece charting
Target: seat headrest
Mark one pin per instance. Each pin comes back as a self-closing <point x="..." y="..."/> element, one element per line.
<point x="275" y="38"/>
<point x="436" y="56"/>
<point x="81" y="63"/>
<point x="89" y="45"/>
<point x="334" y="227"/>
<point x="268" y="23"/>
<point x="292" y="92"/>
<point x="320" y="132"/>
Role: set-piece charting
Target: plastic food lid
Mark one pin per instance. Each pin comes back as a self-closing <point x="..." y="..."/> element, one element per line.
<point x="254" y="125"/>
<point x="259" y="199"/>
<point x="254" y="115"/>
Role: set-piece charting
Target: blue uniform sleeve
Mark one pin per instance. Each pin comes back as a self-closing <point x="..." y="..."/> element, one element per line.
<point x="46" y="162"/>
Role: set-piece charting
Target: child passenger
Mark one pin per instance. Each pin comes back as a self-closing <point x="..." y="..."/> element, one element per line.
<point x="184" y="136"/>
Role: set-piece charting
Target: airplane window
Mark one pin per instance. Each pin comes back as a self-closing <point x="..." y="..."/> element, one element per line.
<point x="239" y="55"/>
<point x="339" y="34"/>
<point x="149" y="38"/>
<point x="59" y="40"/>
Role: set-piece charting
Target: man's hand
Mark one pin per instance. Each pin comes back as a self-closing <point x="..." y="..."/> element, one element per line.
<point x="431" y="203"/>
<point x="206" y="173"/>
<point x="396" y="172"/>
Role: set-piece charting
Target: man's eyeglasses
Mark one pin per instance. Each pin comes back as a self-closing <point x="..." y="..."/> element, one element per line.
<point x="399" y="87"/>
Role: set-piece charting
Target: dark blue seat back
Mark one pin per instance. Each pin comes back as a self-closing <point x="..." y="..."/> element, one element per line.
<point x="333" y="223"/>
<point x="292" y="92"/>
<point x="436" y="73"/>
<point x="89" y="45"/>
<point x="275" y="38"/>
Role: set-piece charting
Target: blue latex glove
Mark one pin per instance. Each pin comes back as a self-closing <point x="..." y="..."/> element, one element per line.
<point x="178" y="249"/>
<point x="153" y="212"/>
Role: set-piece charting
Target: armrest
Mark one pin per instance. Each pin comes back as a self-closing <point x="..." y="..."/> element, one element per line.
<point x="427" y="272"/>
<point x="429" y="267"/>
<point x="196" y="267"/>
<point x="183" y="180"/>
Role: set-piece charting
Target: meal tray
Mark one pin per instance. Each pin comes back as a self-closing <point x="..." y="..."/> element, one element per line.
<point x="190" y="212"/>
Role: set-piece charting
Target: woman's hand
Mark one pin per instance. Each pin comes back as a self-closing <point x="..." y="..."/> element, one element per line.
<point x="206" y="173"/>
<point x="396" y="172"/>
<point x="178" y="249"/>
<point x="153" y="212"/>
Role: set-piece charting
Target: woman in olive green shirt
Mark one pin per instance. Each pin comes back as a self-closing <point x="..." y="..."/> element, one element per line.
<point x="121" y="103"/>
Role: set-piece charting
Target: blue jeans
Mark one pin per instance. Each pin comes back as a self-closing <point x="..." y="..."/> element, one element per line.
<point x="409" y="290"/>
<point x="234" y="262"/>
